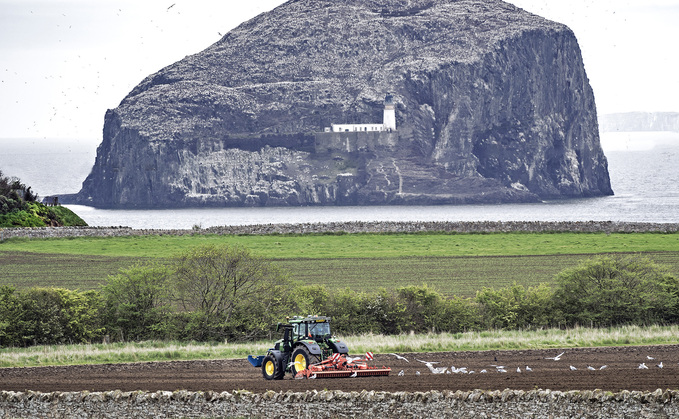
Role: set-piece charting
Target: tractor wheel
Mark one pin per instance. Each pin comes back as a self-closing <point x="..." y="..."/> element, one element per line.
<point x="301" y="359"/>
<point x="272" y="370"/>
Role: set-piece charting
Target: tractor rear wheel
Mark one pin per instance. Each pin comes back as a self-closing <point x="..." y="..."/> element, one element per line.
<point x="301" y="359"/>
<point x="271" y="369"/>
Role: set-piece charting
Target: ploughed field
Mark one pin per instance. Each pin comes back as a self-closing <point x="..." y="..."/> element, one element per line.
<point x="622" y="373"/>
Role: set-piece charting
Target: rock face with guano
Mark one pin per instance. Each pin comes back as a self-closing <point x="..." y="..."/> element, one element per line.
<point x="492" y="105"/>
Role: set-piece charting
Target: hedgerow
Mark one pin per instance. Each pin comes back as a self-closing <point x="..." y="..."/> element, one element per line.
<point x="217" y="293"/>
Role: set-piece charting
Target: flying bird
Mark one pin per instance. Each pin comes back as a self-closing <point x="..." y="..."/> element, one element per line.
<point x="171" y="6"/>
<point x="573" y="368"/>
<point x="643" y="366"/>
<point x="428" y="363"/>
<point x="354" y="374"/>
<point x="403" y="358"/>
<point x="312" y="377"/>
<point x="556" y="358"/>
<point x="659" y="365"/>
<point x="350" y="359"/>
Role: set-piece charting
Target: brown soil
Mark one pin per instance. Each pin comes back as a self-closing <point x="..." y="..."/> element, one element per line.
<point x="622" y="373"/>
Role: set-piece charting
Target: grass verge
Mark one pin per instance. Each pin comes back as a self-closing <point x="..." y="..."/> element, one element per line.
<point x="444" y="342"/>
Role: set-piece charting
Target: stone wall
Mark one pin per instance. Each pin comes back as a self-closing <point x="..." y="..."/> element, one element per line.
<point x="338" y="404"/>
<point x="354" y="227"/>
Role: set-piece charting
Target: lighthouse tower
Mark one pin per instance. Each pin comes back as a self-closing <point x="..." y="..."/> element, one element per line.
<point x="389" y="119"/>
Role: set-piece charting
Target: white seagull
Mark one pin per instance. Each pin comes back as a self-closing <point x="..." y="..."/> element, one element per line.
<point x="354" y="374"/>
<point x="643" y="366"/>
<point x="603" y="367"/>
<point x="518" y="369"/>
<point x="483" y="371"/>
<point x="435" y="370"/>
<point x="556" y="358"/>
<point x="427" y="363"/>
<point x="591" y="368"/>
<point x="573" y="368"/>
<point x="401" y="373"/>
<point x="529" y="369"/>
<point x="417" y="373"/>
<point x="501" y="370"/>
<point x="403" y="358"/>
<point x="659" y="365"/>
<point x="650" y="358"/>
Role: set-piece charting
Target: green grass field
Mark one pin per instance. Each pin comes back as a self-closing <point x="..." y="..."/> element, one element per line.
<point x="454" y="264"/>
<point x="443" y="342"/>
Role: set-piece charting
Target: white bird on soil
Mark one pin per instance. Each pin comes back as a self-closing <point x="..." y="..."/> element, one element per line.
<point x="556" y="358"/>
<point x="483" y="371"/>
<point x="659" y="365"/>
<point x="403" y="358"/>
<point x="650" y="358"/>
<point x="591" y="368"/>
<point x="518" y="369"/>
<point x="501" y="370"/>
<point x="417" y="373"/>
<point x="603" y="367"/>
<point x="529" y="369"/>
<point x="643" y="366"/>
<point x="573" y="368"/>
<point x="435" y="370"/>
<point x="401" y="373"/>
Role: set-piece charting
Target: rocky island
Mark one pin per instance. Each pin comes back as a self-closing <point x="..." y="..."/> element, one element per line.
<point x="485" y="103"/>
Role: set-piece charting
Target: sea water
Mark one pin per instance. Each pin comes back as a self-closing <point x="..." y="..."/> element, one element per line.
<point x="643" y="166"/>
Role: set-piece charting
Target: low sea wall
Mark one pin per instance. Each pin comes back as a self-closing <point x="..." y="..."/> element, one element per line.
<point x="338" y="404"/>
<point x="355" y="227"/>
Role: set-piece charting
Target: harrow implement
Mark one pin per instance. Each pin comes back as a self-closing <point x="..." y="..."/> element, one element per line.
<point x="338" y="366"/>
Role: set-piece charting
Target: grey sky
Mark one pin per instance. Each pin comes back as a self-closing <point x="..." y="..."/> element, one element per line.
<point x="64" y="62"/>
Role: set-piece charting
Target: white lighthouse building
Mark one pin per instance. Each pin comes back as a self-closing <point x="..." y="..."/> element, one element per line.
<point x="388" y="121"/>
<point x="389" y="118"/>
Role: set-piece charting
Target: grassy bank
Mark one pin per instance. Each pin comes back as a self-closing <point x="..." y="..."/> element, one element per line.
<point x="322" y="246"/>
<point x="476" y="341"/>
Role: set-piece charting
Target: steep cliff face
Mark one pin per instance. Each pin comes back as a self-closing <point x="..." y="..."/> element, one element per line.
<point x="492" y="105"/>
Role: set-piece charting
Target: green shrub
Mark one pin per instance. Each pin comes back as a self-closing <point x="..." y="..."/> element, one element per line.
<point x="615" y="290"/>
<point x="515" y="307"/>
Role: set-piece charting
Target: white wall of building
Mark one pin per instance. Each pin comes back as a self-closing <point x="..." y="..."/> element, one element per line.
<point x="357" y="127"/>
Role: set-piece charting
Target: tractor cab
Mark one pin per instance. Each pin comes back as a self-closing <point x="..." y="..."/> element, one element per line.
<point x="317" y="328"/>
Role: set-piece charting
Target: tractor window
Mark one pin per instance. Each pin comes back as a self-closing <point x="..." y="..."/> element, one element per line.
<point x="319" y="329"/>
<point x="295" y="330"/>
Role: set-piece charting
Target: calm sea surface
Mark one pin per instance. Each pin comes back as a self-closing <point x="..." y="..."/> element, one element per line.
<point x="644" y="170"/>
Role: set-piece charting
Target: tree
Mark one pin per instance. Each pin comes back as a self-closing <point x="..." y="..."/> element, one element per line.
<point x="138" y="303"/>
<point x="612" y="290"/>
<point x="228" y="292"/>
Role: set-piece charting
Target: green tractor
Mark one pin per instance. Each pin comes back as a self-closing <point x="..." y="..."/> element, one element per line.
<point x="306" y="341"/>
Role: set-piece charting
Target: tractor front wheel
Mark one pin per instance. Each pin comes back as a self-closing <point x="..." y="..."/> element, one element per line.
<point x="271" y="369"/>
<point x="301" y="359"/>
